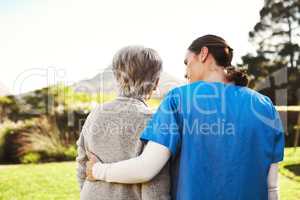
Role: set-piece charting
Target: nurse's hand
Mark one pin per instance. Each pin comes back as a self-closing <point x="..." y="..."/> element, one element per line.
<point x="89" y="166"/>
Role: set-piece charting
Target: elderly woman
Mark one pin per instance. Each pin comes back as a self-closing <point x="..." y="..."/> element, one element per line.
<point x="112" y="130"/>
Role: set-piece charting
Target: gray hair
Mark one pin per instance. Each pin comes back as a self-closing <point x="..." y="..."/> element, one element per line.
<point x="136" y="69"/>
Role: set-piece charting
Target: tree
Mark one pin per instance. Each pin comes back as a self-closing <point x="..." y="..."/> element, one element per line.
<point x="277" y="38"/>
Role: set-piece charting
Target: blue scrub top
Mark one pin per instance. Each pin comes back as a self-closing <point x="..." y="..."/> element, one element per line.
<point x="225" y="138"/>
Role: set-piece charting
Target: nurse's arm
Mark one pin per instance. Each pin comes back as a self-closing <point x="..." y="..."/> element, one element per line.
<point x="136" y="170"/>
<point x="273" y="182"/>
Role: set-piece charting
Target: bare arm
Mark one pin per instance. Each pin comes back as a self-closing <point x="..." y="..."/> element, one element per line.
<point x="136" y="170"/>
<point x="273" y="187"/>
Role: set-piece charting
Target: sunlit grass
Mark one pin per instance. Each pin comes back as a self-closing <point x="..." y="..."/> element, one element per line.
<point x="290" y="175"/>
<point x="39" y="182"/>
<point x="58" y="180"/>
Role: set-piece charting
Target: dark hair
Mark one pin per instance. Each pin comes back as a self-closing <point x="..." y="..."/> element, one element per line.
<point x="223" y="54"/>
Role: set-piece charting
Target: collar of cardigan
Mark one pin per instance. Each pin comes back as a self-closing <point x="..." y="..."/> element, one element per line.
<point x="134" y="99"/>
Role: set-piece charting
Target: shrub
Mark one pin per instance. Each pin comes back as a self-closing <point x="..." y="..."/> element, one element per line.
<point x="32" y="157"/>
<point x="34" y="140"/>
<point x="9" y="133"/>
<point x="45" y="140"/>
<point x="70" y="153"/>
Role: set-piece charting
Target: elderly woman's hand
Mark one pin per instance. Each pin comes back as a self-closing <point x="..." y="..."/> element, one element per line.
<point x="89" y="166"/>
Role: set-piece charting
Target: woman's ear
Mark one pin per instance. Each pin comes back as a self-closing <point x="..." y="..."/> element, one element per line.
<point x="203" y="54"/>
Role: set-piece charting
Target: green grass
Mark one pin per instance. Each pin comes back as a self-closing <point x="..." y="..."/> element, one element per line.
<point x="52" y="181"/>
<point x="57" y="181"/>
<point x="290" y="175"/>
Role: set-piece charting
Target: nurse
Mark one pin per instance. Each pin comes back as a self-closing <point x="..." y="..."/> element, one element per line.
<point x="224" y="139"/>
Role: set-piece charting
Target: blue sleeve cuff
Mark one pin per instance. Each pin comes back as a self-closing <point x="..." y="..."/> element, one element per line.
<point x="165" y="141"/>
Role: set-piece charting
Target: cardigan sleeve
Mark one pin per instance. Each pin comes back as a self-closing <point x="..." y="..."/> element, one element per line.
<point x="81" y="160"/>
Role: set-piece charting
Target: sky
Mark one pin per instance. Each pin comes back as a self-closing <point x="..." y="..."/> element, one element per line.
<point x="44" y="42"/>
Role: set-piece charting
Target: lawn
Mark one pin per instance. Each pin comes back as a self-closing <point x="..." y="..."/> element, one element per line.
<point x="52" y="181"/>
<point x="290" y="175"/>
<point x="57" y="181"/>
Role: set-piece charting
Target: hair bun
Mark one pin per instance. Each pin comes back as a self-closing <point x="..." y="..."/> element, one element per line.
<point x="238" y="76"/>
